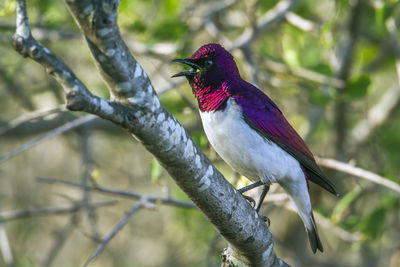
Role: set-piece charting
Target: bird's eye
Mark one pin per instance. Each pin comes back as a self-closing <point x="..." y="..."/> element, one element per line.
<point x="208" y="63"/>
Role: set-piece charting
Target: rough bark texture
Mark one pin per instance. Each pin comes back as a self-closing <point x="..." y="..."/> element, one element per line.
<point x="136" y="107"/>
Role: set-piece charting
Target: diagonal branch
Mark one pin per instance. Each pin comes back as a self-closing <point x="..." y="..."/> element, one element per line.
<point x="137" y="108"/>
<point x="57" y="131"/>
<point x="356" y="171"/>
<point x="135" y="208"/>
<point x="121" y="193"/>
<point x="37" y="114"/>
<point x="275" y="14"/>
<point x="20" y="214"/>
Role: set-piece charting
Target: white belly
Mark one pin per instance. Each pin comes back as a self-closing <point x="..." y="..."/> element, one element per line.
<point x="245" y="150"/>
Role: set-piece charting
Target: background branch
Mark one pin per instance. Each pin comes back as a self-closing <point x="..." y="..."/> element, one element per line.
<point x="28" y="213"/>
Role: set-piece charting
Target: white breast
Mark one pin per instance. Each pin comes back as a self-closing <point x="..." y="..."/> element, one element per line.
<point x="245" y="150"/>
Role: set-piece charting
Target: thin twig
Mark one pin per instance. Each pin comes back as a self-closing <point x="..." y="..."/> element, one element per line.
<point x="17" y="91"/>
<point x="85" y="177"/>
<point x="376" y="116"/>
<point x="303" y="73"/>
<point x="61" y="236"/>
<point x="28" y="213"/>
<point x="122" y="193"/>
<point x="358" y="172"/>
<point x="115" y="230"/>
<point x="57" y="131"/>
<point x="170" y="86"/>
<point x="270" y="17"/>
<point x="301" y="23"/>
<point x="326" y="223"/>
<point x="392" y="29"/>
<point x="37" y="114"/>
<point x="5" y="247"/>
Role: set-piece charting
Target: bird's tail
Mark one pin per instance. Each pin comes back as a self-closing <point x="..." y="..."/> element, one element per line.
<point x="301" y="200"/>
<point x="313" y="236"/>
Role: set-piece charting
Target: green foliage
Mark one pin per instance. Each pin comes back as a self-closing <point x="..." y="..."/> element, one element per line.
<point x="8" y="8"/>
<point x="168" y="29"/>
<point x="357" y="87"/>
<point x="200" y="139"/>
<point x="155" y="170"/>
<point x="374" y="224"/>
<point x="174" y="102"/>
<point x="25" y="261"/>
<point x="343" y="204"/>
<point x="321" y="98"/>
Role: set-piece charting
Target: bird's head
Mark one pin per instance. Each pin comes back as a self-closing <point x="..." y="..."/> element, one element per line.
<point x="213" y="72"/>
<point x="211" y="66"/>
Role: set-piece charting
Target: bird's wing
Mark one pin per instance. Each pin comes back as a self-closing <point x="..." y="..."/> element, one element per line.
<point x="262" y="114"/>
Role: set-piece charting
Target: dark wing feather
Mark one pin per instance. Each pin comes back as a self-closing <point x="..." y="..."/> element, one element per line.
<point x="262" y="114"/>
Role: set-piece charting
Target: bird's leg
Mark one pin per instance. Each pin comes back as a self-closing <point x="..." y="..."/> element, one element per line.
<point x="262" y="196"/>
<point x="247" y="188"/>
<point x="260" y="202"/>
<point x="253" y="185"/>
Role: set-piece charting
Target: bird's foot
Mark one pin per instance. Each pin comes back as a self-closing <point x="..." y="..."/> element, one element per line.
<point x="266" y="220"/>
<point x="250" y="200"/>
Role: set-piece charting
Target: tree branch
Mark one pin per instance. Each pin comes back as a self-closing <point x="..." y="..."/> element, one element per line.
<point x="37" y="114"/>
<point x="20" y="214"/>
<point x="355" y="171"/>
<point x="121" y="193"/>
<point x="275" y="14"/>
<point x="59" y="130"/>
<point x="115" y="230"/>
<point x="136" y="107"/>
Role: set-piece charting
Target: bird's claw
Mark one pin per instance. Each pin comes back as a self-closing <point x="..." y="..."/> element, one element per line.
<point x="266" y="220"/>
<point x="250" y="200"/>
<point x="253" y="205"/>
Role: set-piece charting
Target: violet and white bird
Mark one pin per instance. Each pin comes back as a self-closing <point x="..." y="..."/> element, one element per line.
<point x="250" y="133"/>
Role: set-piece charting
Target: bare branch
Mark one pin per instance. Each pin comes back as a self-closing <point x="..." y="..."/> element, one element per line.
<point x="61" y="236"/>
<point x="16" y="91"/>
<point x="336" y="230"/>
<point x="122" y="193"/>
<point x="59" y="130"/>
<point x="377" y="115"/>
<point x="37" y="114"/>
<point x="5" y="246"/>
<point x="358" y="172"/>
<point x="275" y="14"/>
<point x="303" y="73"/>
<point x="301" y="23"/>
<point x="115" y="230"/>
<point x="85" y="179"/>
<point x="323" y="221"/>
<point x="20" y="214"/>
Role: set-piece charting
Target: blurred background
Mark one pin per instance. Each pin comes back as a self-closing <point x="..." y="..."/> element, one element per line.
<point x="333" y="67"/>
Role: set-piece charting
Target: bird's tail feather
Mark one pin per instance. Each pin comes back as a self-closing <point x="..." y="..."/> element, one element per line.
<point x="313" y="236"/>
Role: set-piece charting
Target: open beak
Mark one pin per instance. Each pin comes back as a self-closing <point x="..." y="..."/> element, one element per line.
<point x="193" y="72"/>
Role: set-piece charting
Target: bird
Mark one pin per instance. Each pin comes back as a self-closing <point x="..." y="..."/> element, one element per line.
<point x="251" y="134"/>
